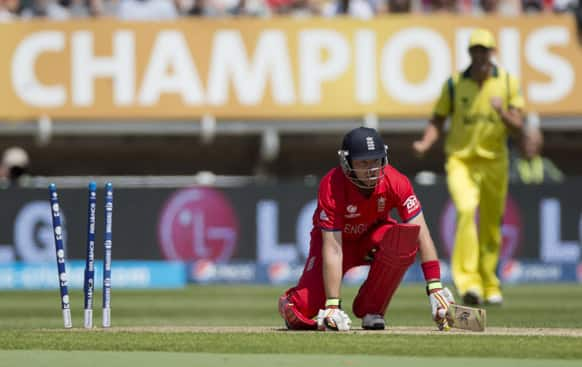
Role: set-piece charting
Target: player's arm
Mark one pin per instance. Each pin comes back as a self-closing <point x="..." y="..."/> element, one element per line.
<point x="426" y="245"/>
<point x="512" y="117"/>
<point x="332" y="263"/>
<point x="431" y="134"/>
<point x="434" y="128"/>
<point x="332" y="317"/>
<point x="439" y="297"/>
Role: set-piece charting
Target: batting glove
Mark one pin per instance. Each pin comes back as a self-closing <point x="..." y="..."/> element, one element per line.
<point x="440" y="298"/>
<point x="333" y="318"/>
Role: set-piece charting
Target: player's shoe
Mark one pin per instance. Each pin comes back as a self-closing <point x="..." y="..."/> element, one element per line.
<point x="373" y="322"/>
<point x="472" y="298"/>
<point x="494" y="300"/>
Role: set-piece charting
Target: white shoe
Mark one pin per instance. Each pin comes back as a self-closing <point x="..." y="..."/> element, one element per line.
<point x="373" y="322"/>
<point x="496" y="299"/>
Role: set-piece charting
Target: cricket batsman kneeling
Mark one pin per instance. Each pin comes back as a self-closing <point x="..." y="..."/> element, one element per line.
<point x="352" y="227"/>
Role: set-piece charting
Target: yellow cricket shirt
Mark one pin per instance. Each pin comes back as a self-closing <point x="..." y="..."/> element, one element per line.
<point x="476" y="130"/>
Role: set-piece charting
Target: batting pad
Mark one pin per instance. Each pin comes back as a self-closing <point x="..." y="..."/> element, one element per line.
<point x="396" y="250"/>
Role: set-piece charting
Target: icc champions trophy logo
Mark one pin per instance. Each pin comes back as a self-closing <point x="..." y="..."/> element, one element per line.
<point x="198" y="223"/>
<point x="510" y="229"/>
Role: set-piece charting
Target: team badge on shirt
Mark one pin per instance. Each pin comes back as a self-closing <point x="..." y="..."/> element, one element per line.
<point x="352" y="211"/>
<point x="381" y="204"/>
<point x="411" y="203"/>
<point x="323" y="216"/>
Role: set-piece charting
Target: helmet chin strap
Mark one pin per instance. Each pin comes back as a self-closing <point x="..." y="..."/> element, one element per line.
<point x="350" y="173"/>
<point x="358" y="183"/>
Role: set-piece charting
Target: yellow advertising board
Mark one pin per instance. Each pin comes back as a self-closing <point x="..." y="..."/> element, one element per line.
<point x="278" y="68"/>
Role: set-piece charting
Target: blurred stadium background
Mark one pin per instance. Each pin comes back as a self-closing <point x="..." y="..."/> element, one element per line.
<point x="216" y="119"/>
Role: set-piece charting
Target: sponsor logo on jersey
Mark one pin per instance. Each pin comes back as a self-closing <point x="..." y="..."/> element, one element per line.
<point x="352" y="211"/>
<point x="411" y="203"/>
<point x="381" y="204"/>
<point x="355" y="229"/>
<point x="323" y="216"/>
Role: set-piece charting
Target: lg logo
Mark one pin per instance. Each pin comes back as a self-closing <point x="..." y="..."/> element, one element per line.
<point x="198" y="223"/>
<point x="33" y="241"/>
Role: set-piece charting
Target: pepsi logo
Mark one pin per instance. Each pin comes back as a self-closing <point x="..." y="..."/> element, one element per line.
<point x="511" y="271"/>
<point x="279" y="272"/>
<point x="203" y="271"/>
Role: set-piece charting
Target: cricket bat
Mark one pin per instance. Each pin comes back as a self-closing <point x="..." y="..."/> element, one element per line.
<point x="468" y="318"/>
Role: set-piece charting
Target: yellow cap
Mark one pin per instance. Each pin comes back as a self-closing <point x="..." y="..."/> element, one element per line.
<point x="482" y="37"/>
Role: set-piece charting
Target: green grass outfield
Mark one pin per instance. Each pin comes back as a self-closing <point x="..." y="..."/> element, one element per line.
<point x="239" y="326"/>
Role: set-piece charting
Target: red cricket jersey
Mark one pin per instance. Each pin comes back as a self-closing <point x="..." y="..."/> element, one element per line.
<point x="342" y="207"/>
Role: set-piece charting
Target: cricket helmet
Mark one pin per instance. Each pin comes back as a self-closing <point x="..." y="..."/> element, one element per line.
<point x="363" y="143"/>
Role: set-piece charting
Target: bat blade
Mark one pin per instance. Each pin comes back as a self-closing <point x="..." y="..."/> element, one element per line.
<point x="467" y="318"/>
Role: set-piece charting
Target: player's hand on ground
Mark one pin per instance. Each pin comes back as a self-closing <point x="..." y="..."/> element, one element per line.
<point x="440" y="299"/>
<point x="333" y="319"/>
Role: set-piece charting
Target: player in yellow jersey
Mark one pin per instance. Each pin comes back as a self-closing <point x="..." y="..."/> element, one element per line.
<point x="485" y="105"/>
